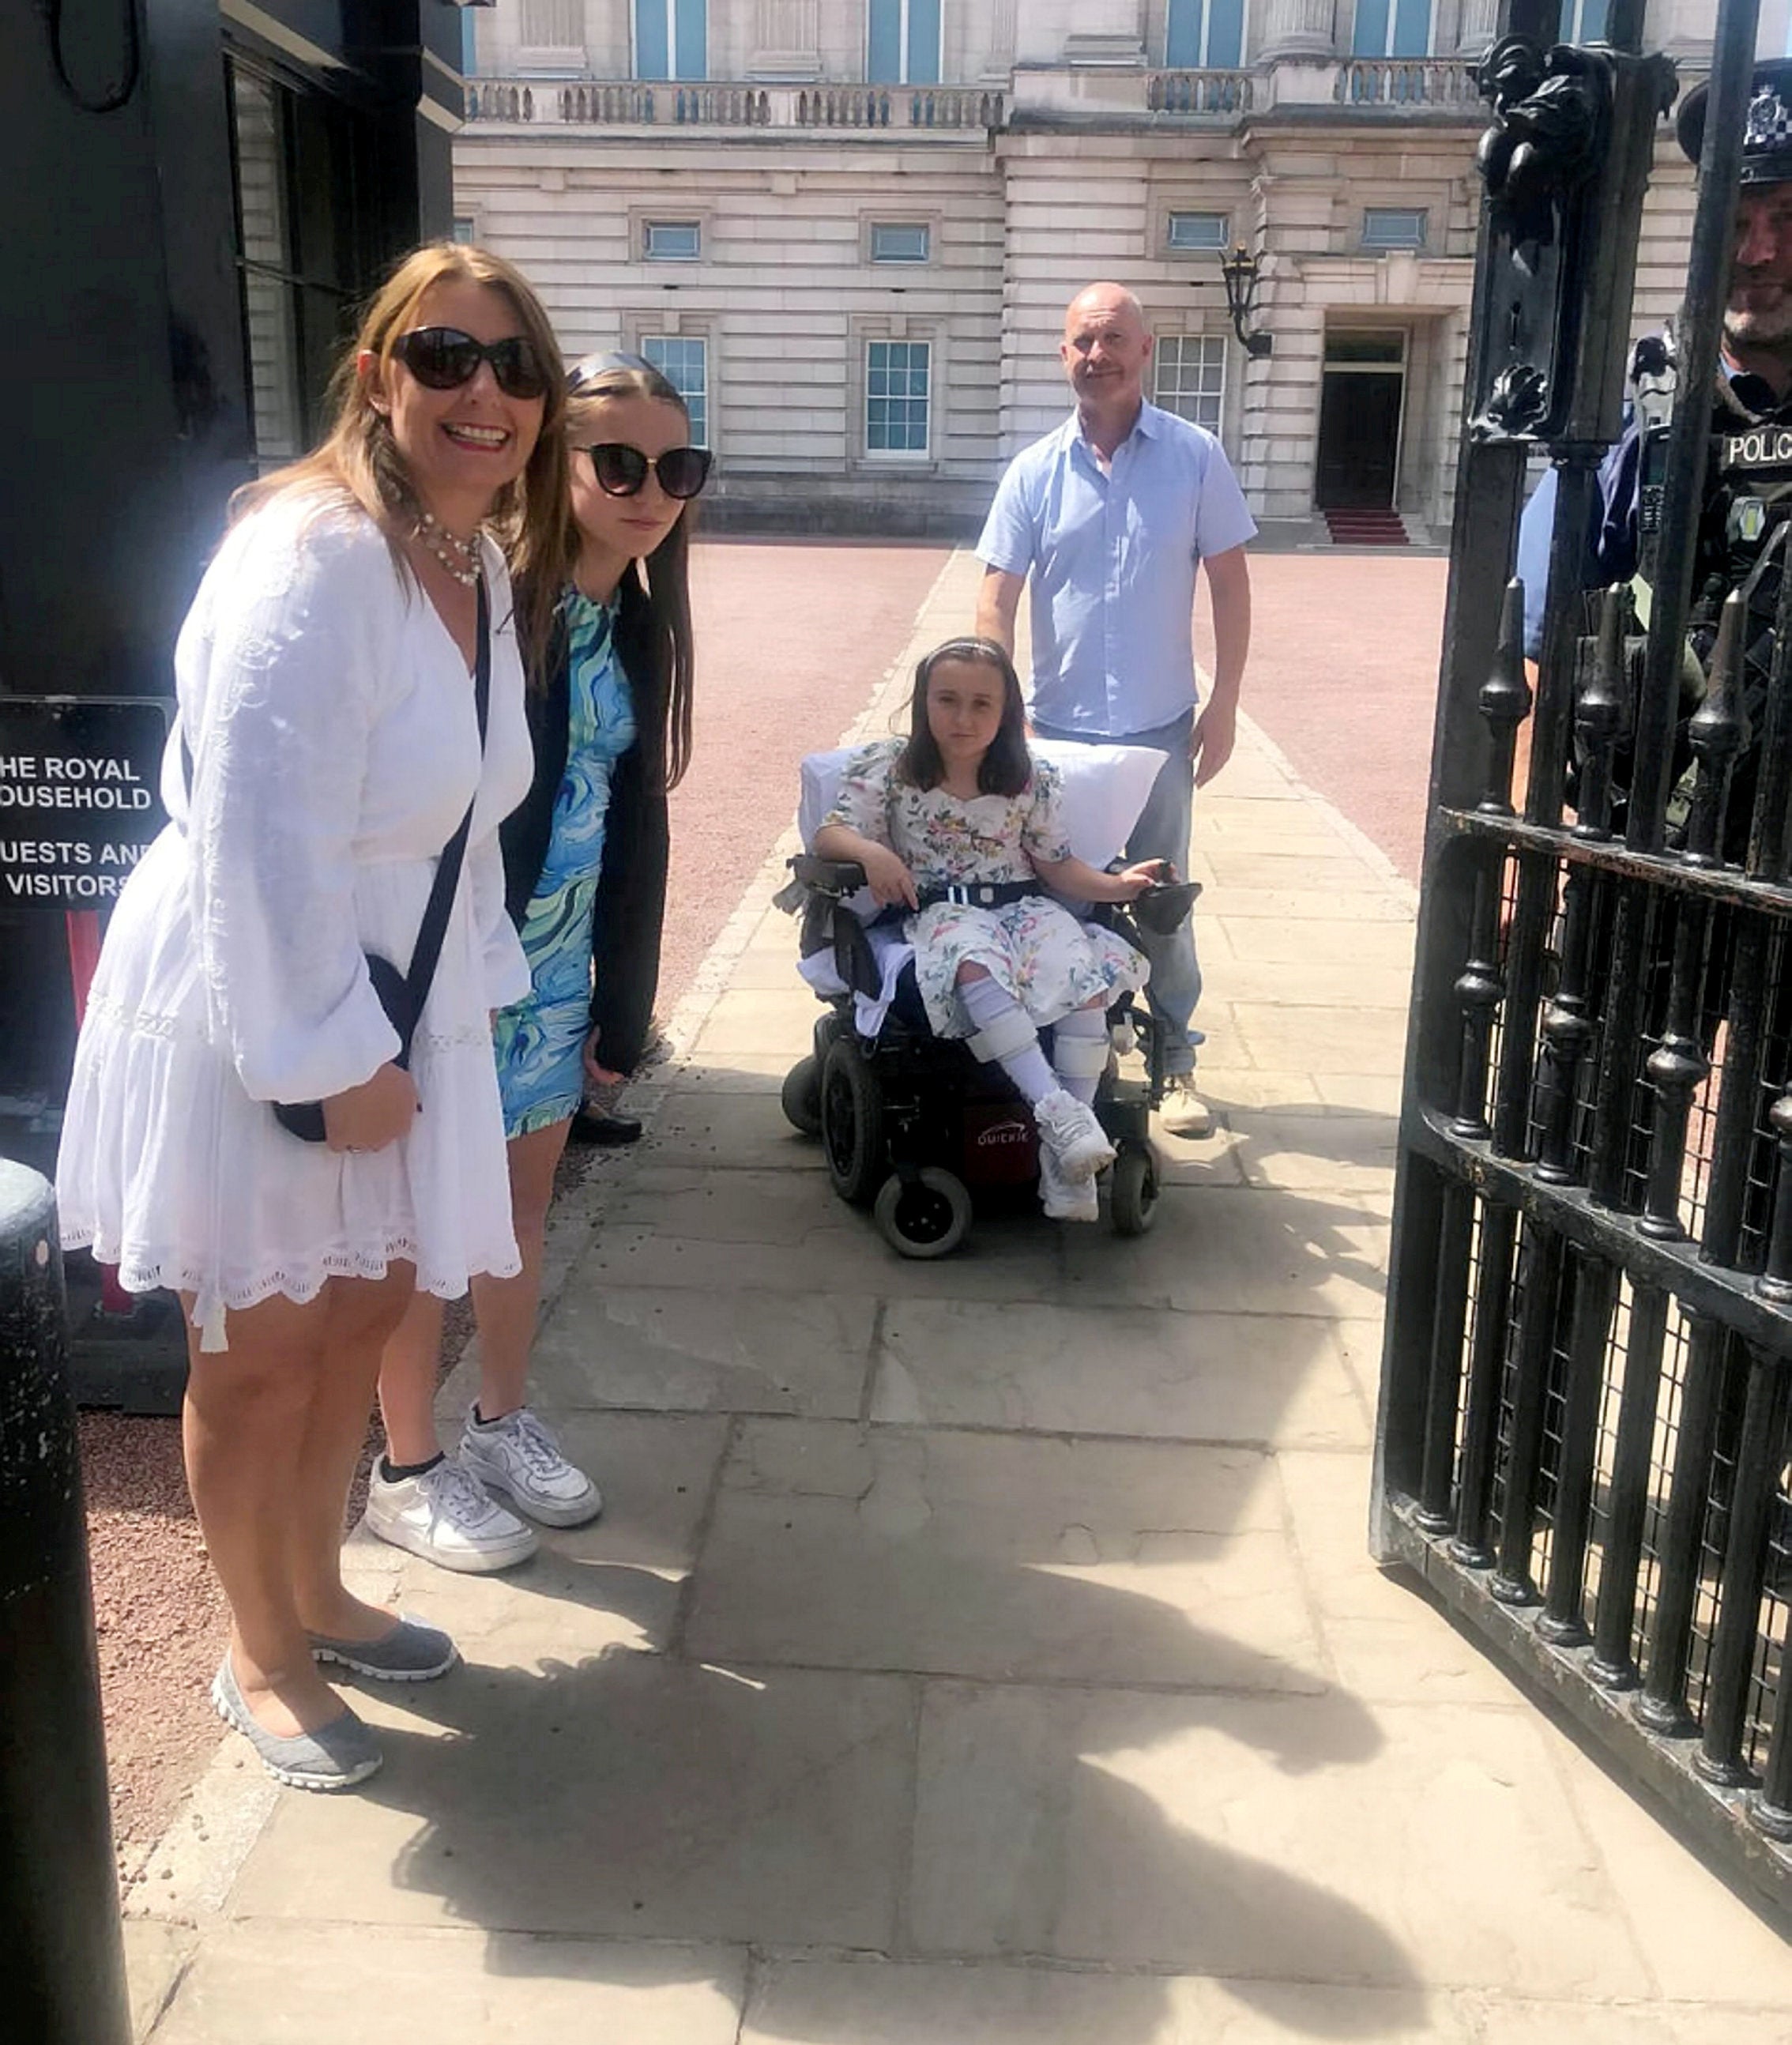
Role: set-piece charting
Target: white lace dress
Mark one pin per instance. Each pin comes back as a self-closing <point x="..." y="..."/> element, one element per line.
<point x="1035" y="948"/>
<point x="331" y="720"/>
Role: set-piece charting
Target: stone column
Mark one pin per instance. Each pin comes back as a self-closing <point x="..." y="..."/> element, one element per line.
<point x="998" y="62"/>
<point x="1297" y="29"/>
<point x="786" y="40"/>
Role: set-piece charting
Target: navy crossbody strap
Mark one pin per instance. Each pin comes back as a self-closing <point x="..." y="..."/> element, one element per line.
<point x="434" y="925"/>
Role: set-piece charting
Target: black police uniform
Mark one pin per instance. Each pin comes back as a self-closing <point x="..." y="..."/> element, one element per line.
<point x="1743" y="532"/>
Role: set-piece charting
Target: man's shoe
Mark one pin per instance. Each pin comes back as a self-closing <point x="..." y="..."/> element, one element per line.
<point x="1069" y="1131"/>
<point x="518" y="1457"/>
<point x="444" y="1515"/>
<point x="592" y="1125"/>
<point x="336" y="1756"/>
<point x="1184" y="1113"/>
<point x="1065" y="1199"/>
<point x="410" y="1652"/>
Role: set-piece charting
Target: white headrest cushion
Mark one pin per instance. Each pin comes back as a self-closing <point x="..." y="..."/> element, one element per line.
<point x="1105" y="787"/>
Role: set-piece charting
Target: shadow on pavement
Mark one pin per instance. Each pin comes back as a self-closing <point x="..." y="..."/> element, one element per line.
<point x="946" y="1817"/>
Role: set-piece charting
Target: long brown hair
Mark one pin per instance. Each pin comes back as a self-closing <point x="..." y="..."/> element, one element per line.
<point x="653" y="633"/>
<point x="1007" y="766"/>
<point x="357" y="457"/>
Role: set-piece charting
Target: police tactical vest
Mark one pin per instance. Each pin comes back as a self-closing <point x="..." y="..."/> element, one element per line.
<point x="1744" y="528"/>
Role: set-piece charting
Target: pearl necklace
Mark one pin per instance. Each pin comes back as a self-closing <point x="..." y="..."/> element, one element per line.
<point x="460" y="557"/>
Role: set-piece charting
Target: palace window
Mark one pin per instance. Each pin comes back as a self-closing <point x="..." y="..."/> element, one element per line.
<point x="1204" y="35"/>
<point x="898" y="376"/>
<point x="1202" y="231"/>
<point x="902" y="42"/>
<point x="671" y="39"/>
<point x="683" y="359"/>
<point x="1392" y="28"/>
<point x="900" y="241"/>
<point x="1393" y="227"/>
<point x="1191" y="376"/>
<point x="672" y="240"/>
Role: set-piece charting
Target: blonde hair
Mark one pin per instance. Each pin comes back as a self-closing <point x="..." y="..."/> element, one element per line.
<point x="358" y="459"/>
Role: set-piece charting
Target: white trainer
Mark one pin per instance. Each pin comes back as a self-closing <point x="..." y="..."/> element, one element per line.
<point x="444" y="1515"/>
<point x="518" y="1457"/>
<point x="1184" y="1113"/>
<point x="1069" y="1131"/>
<point x="1065" y="1199"/>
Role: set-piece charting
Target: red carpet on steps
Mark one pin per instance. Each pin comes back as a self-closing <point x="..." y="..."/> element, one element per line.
<point x="1366" y="529"/>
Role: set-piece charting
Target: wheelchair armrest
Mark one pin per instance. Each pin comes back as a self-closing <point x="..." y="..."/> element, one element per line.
<point x="1162" y="908"/>
<point x="838" y="877"/>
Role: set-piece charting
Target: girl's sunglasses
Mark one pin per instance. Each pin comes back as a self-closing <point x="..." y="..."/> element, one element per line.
<point x="444" y="358"/>
<point x="622" y="470"/>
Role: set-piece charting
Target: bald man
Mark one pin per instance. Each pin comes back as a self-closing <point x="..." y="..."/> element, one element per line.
<point x="1111" y="514"/>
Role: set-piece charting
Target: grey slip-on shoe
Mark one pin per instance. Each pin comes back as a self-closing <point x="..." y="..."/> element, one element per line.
<point x="411" y="1653"/>
<point x="336" y="1756"/>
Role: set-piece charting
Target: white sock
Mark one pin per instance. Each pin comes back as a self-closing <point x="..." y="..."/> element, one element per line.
<point x="986" y="1002"/>
<point x="1087" y="1023"/>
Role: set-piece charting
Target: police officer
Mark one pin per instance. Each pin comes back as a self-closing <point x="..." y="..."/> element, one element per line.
<point x="1748" y="467"/>
<point x="1744" y="528"/>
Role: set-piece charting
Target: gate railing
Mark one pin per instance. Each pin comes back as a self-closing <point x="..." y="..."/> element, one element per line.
<point x="1583" y="1437"/>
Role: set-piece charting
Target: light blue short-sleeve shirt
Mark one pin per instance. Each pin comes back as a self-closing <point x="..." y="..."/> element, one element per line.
<point x="1112" y="558"/>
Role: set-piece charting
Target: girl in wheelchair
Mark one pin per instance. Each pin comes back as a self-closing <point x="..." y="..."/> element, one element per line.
<point x="960" y="825"/>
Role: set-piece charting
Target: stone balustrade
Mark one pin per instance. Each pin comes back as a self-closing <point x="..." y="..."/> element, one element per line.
<point x="1406" y="82"/>
<point x="588" y="102"/>
<point x="1198" y="91"/>
<point x="1391" y="86"/>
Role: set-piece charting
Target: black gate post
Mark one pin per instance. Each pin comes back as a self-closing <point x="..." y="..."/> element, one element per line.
<point x="61" y="1952"/>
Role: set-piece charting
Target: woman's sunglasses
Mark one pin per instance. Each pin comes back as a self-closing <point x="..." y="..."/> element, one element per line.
<point x="622" y="470"/>
<point x="444" y="358"/>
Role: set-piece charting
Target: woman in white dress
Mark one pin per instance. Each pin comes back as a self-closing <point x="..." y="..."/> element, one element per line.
<point x="327" y="748"/>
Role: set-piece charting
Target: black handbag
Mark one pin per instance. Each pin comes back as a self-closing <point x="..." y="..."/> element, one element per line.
<point x="403" y="994"/>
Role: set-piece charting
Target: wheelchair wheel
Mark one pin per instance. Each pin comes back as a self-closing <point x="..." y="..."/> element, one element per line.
<point x="1132" y="1192"/>
<point x="852" y="1123"/>
<point x="800" y="1097"/>
<point x="926" y="1216"/>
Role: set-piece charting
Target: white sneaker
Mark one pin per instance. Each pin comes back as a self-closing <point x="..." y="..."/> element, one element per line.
<point x="1069" y="1131"/>
<point x="446" y="1517"/>
<point x="1065" y="1199"/>
<point x="518" y="1457"/>
<point x="1184" y="1113"/>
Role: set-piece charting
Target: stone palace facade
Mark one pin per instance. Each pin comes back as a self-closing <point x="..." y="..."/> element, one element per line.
<point x="848" y="229"/>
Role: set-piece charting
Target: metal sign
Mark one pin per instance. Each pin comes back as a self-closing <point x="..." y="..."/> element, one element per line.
<point x="79" y="796"/>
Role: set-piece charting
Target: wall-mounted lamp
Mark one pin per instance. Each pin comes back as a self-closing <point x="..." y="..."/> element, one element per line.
<point x="1239" y="269"/>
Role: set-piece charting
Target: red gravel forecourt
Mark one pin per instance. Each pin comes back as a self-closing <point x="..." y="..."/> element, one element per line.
<point x="1342" y="679"/>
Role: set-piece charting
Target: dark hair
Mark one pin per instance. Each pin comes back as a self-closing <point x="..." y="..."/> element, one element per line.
<point x="1007" y="767"/>
<point x="653" y="600"/>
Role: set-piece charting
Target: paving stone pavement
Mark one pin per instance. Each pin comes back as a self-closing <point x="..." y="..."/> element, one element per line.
<point x="982" y="1653"/>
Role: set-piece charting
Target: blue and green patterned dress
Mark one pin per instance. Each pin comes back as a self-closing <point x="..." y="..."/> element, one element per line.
<point x="541" y="1041"/>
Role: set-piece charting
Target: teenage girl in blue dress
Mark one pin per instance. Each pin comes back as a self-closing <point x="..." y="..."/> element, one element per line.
<point x="585" y="863"/>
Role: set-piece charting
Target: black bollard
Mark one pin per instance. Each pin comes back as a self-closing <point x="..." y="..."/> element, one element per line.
<point x="62" y="1956"/>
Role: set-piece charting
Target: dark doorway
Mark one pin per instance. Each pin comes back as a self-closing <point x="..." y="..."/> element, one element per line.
<point x="1359" y="439"/>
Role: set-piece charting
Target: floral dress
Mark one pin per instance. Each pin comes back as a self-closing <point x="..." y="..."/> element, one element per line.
<point x="1036" y="949"/>
<point x="541" y="1040"/>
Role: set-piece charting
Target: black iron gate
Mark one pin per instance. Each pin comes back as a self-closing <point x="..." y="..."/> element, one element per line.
<point x="1583" y="1437"/>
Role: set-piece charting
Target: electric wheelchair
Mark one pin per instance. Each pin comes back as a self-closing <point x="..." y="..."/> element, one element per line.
<point x="911" y="1125"/>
